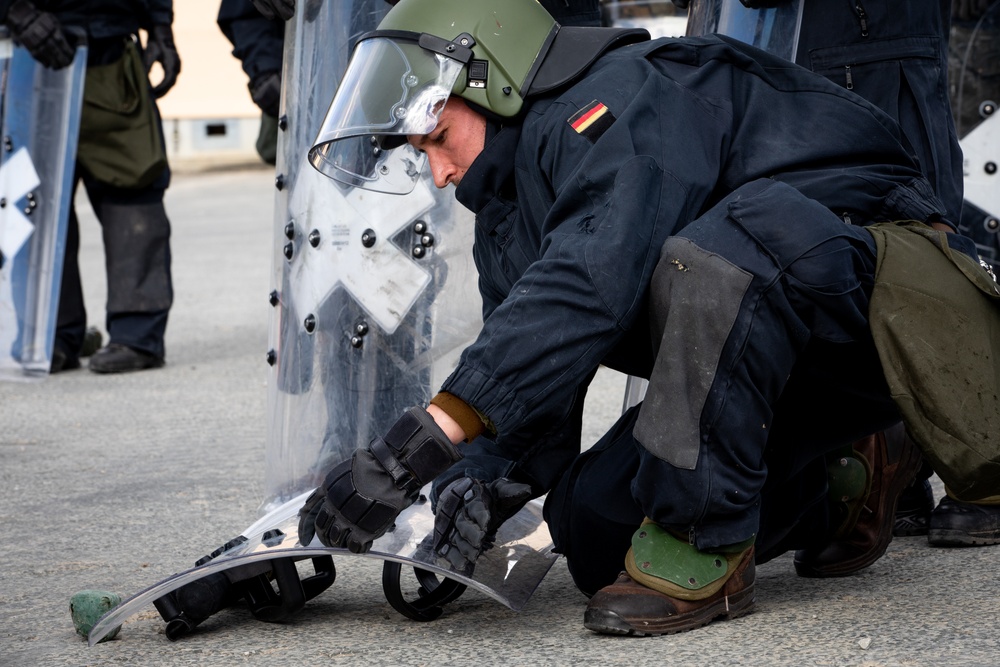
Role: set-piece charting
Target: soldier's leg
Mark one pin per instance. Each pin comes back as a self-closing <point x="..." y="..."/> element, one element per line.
<point x="591" y="512"/>
<point x="71" y="320"/>
<point x="738" y="297"/>
<point x="136" y="234"/>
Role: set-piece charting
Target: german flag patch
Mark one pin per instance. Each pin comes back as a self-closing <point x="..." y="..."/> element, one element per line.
<point x="592" y="121"/>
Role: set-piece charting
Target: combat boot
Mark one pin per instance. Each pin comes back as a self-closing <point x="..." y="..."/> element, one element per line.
<point x="670" y="587"/>
<point x="118" y="358"/>
<point x="960" y="524"/>
<point x="893" y="460"/>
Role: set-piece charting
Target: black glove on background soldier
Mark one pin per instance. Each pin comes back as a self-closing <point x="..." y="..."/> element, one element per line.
<point x="40" y="33"/>
<point x="285" y="9"/>
<point x="160" y="48"/>
<point x="265" y="91"/>
<point x="275" y="9"/>
<point x="360" y="498"/>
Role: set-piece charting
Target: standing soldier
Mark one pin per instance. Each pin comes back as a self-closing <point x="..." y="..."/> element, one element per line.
<point x="122" y="162"/>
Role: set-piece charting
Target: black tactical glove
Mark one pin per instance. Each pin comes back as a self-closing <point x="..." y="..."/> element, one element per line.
<point x="40" y="33"/>
<point x="469" y="512"/>
<point x="360" y="498"/>
<point x="160" y="48"/>
<point x="275" y="9"/>
<point x="265" y="91"/>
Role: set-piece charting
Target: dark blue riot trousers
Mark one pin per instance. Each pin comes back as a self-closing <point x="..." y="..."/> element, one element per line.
<point x="766" y="363"/>
<point x="136" y="234"/>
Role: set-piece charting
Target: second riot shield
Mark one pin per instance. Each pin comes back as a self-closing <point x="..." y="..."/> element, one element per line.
<point x="773" y="27"/>
<point x="662" y="18"/>
<point x="40" y="117"/>
<point x="509" y="572"/>
<point x="974" y="72"/>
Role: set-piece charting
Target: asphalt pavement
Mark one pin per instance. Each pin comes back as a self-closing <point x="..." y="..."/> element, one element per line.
<point x="116" y="482"/>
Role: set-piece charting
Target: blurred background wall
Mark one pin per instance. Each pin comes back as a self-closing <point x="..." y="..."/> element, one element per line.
<point x="208" y="117"/>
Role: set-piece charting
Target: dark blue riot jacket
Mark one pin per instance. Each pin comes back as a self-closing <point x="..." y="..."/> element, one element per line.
<point x="574" y="202"/>
<point x="257" y="41"/>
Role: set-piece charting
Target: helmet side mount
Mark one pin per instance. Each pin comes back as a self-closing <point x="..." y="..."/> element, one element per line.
<point x="459" y="49"/>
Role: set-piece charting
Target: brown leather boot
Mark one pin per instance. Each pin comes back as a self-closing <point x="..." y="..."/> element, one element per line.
<point x="626" y="607"/>
<point x="894" y="460"/>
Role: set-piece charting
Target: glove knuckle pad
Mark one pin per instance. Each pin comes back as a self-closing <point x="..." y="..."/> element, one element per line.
<point x="353" y="506"/>
<point x="377" y="518"/>
<point x="323" y="518"/>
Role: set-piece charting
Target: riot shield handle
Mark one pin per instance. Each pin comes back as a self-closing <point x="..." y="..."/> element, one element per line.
<point x="189" y="605"/>
<point x="431" y="596"/>
<point x="272" y="606"/>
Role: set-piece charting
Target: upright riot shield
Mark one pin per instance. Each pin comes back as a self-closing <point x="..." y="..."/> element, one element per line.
<point x="974" y="74"/>
<point x="40" y="118"/>
<point x="374" y="294"/>
<point x="774" y="29"/>
<point x="662" y="18"/>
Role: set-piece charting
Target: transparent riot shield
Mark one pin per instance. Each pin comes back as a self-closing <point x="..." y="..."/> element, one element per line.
<point x="974" y="74"/>
<point x="374" y="295"/>
<point x="774" y="29"/>
<point x="662" y="18"/>
<point x="40" y="118"/>
<point x="259" y="558"/>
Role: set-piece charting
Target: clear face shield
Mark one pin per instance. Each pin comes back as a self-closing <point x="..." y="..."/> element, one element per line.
<point x="393" y="87"/>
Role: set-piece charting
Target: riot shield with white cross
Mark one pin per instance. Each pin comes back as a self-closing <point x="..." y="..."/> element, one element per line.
<point x="40" y="118"/>
<point x="374" y="295"/>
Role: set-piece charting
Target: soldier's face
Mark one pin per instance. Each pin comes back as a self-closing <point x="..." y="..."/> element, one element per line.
<point x="454" y="143"/>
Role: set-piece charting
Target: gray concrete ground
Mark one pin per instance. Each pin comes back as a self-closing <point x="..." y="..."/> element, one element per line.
<point x="116" y="482"/>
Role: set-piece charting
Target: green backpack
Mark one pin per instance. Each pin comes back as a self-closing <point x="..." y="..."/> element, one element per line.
<point x="120" y="141"/>
<point x="935" y="319"/>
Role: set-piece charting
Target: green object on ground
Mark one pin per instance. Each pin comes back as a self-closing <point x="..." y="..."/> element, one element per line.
<point x="87" y="607"/>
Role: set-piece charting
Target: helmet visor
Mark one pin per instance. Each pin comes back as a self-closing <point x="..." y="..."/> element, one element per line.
<point x="392" y="88"/>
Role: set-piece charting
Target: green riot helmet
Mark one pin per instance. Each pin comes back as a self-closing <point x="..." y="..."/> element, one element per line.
<point x="491" y="53"/>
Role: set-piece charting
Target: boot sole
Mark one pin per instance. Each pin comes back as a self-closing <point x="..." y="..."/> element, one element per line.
<point x="608" y="622"/>
<point x="957" y="538"/>
<point x="108" y="369"/>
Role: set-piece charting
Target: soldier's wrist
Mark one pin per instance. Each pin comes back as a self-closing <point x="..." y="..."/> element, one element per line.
<point x="472" y="423"/>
